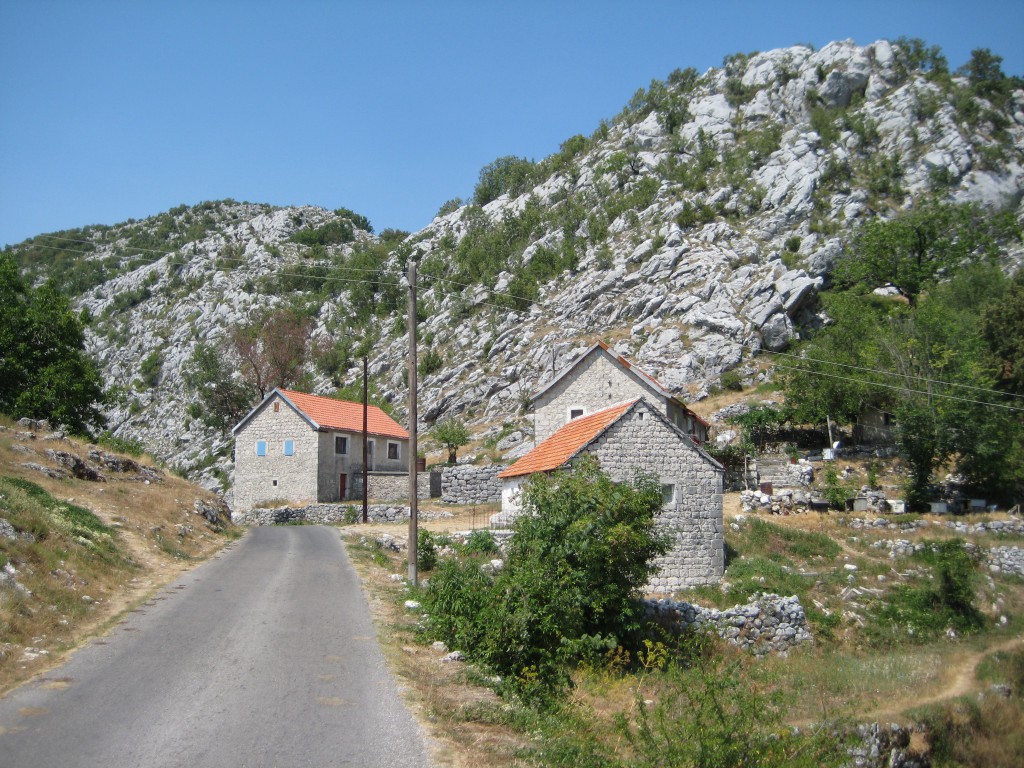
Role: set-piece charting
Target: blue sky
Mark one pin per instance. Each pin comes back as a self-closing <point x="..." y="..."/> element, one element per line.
<point x="117" y="110"/>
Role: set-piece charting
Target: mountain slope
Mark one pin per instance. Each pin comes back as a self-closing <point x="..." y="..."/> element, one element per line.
<point x="693" y="231"/>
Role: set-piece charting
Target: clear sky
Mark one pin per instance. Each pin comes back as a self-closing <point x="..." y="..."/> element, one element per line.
<point x="117" y="110"/>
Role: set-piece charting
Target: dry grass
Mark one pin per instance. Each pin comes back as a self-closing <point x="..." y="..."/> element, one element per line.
<point x="153" y="531"/>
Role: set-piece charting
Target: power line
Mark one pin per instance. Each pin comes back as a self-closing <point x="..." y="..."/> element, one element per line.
<point x="314" y="263"/>
<point x="394" y="284"/>
<point x="901" y="389"/>
<point x="898" y="375"/>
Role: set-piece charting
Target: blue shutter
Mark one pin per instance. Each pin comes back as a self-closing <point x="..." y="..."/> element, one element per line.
<point x="289" y="447"/>
<point x="261" y="447"/>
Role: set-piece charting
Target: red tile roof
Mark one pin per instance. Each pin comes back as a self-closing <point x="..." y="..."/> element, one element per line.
<point x="344" y="415"/>
<point x="567" y="441"/>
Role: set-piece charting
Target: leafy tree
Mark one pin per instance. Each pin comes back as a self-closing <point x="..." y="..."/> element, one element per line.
<point x="575" y="568"/>
<point x="1002" y="326"/>
<point x="930" y="366"/>
<point x="509" y="174"/>
<point x="44" y="371"/>
<point x="272" y="349"/>
<point x="225" y="396"/>
<point x="452" y="434"/>
<point x="913" y="250"/>
<point x="985" y="73"/>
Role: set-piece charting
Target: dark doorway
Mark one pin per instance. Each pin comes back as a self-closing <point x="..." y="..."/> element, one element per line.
<point x="342" y="487"/>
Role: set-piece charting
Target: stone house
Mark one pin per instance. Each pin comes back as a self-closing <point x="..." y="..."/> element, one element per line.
<point x="308" y="448"/>
<point x="635" y="435"/>
<point x="598" y="378"/>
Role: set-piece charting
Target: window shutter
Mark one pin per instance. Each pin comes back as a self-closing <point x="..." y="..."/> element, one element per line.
<point x="261" y="447"/>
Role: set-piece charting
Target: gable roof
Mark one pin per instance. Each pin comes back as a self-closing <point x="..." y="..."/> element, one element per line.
<point x="567" y="441"/>
<point x="323" y="413"/>
<point x="625" y="365"/>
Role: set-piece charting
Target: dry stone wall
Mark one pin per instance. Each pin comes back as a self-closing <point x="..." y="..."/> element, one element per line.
<point x="768" y="624"/>
<point x="471" y="485"/>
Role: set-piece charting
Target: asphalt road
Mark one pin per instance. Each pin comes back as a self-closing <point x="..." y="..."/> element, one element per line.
<point x="263" y="657"/>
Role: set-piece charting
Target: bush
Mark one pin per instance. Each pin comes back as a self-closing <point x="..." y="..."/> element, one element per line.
<point x="580" y="556"/>
<point x="426" y="551"/>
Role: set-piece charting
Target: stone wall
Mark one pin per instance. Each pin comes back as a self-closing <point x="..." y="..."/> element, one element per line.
<point x="471" y="485"/>
<point x="768" y="624"/>
<point x="643" y="440"/>
<point x="321" y="514"/>
<point x="595" y="383"/>
<point x="391" y="486"/>
<point x="274" y="475"/>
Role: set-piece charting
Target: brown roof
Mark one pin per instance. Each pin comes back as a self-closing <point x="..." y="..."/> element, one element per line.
<point x="343" y="415"/>
<point x="567" y="441"/>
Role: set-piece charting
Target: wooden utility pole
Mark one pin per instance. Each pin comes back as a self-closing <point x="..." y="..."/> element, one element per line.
<point x="413" y="450"/>
<point x="366" y="474"/>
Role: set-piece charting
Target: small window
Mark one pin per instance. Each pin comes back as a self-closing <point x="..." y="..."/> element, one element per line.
<point x="392" y="450"/>
<point x="341" y="445"/>
<point x="274" y="483"/>
<point x="277" y="406"/>
<point x="575" y="413"/>
<point x="668" y="493"/>
<point x="289" y="447"/>
<point x="261" y="447"/>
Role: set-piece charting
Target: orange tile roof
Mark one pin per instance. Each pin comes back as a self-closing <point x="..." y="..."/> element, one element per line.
<point x="344" y="415"/>
<point x="567" y="441"/>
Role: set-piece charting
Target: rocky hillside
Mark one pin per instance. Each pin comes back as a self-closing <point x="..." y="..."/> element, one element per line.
<point x="692" y="231"/>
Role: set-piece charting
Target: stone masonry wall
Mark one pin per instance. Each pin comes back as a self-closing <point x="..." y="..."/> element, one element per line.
<point x="391" y="486"/>
<point x="595" y="384"/>
<point x="275" y="476"/>
<point x="642" y="440"/>
<point x="471" y="485"/>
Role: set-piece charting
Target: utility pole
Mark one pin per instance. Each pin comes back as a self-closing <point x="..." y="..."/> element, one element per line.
<point x="413" y="450"/>
<point x="366" y="475"/>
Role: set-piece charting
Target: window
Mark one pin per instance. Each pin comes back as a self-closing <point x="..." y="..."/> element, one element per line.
<point x="277" y="406"/>
<point x="392" y="450"/>
<point x="668" y="493"/>
<point x="289" y="447"/>
<point x="575" y="413"/>
<point x="274" y="483"/>
<point x="341" y="445"/>
<point x="261" y="447"/>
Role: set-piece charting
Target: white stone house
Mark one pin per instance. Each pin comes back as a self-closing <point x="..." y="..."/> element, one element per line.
<point x="598" y="378"/>
<point x="635" y="435"/>
<point x="307" y="448"/>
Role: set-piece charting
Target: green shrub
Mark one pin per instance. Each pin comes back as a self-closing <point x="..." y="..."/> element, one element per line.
<point x="426" y="550"/>
<point x="480" y="542"/>
<point x="574" y="570"/>
<point x="151" y="367"/>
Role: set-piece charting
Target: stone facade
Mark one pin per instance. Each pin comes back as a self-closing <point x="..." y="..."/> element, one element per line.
<point x="274" y="475"/>
<point x="319" y="468"/>
<point x="597" y="380"/>
<point x="471" y="485"/>
<point x="692" y="481"/>
<point x="643" y="439"/>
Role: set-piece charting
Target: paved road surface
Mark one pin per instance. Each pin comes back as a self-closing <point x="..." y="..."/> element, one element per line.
<point x="263" y="657"/>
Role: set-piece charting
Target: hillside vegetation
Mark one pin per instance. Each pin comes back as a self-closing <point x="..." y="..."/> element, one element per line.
<point x="695" y="230"/>
<point x="86" y="532"/>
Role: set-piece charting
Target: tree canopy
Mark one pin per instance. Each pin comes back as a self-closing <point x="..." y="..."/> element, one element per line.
<point x="44" y="370"/>
<point x="922" y="245"/>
